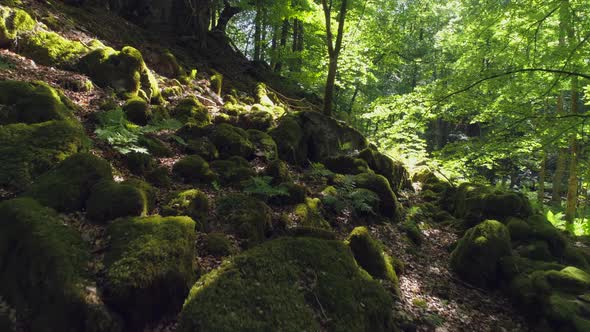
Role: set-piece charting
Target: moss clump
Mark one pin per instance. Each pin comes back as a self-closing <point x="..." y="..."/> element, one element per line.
<point x="155" y="146"/>
<point x="172" y="92"/>
<point x="203" y="147"/>
<point x="137" y="111"/>
<point x="218" y="244"/>
<point x="346" y="165"/>
<point x="149" y="268"/>
<point x="193" y="203"/>
<point x="394" y="171"/>
<point x="413" y="232"/>
<point x="110" y="200"/>
<point x="388" y="204"/>
<point x="231" y="141"/>
<point x="13" y="23"/>
<point x="50" y="49"/>
<point x="309" y="214"/>
<point x="256" y="119"/>
<point x="279" y="171"/>
<point x="67" y="187"/>
<point x="168" y="66"/>
<point x="264" y="145"/>
<point x="369" y="254"/>
<point x="151" y="193"/>
<point x="232" y="171"/>
<point x="139" y="163"/>
<point x="159" y="177"/>
<point x="124" y="71"/>
<point x="519" y="229"/>
<point x="294" y="194"/>
<point x="30" y="103"/>
<point x="542" y="229"/>
<point x="194" y="169"/>
<point x="290" y="140"/>
<point x="318" y="233"/>
<point x="278" y="285"/>
<point x="247" y="217"/>
<point x="191" y="110"/>
<point x="42" y="270"/>
<point x="476" y="257"/>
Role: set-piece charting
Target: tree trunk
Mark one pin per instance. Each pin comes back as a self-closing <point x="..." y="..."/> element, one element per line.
<point x="226" y="14"/>
<point x="283" y="43"/>
<point x="257" y="31"/>
<point x="333" y="51"/>
<point x="542" y="171"/>
<point x="572" y="183"/>
<point x="561" y="163"/>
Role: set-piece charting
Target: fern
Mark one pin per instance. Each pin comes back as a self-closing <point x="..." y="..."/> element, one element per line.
<point x="261" y="186"/>
<point x="349" y="198"/>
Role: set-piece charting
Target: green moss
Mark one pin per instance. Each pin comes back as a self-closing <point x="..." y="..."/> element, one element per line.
<point x="124" y="71"/>
<point x="51" y="49"/>
<point x="172" y="92"/>
<point x="149" y="268"/>
<point x="369" y="254"/>
<point x="413" y="232"/>
<point x="394" y="171"/>
<point x="159" y="177"/>
<point x="194" y="169"/>
<point x="218" y="244"/>
<point x="137" y="111"/>
<point x="110" y="200"/>
<point x="290" y="140"/>
<point x="42" y="270"/>
<point x="217" y="83"/>
<point x="191" y="110"/>
<point x="309" y="214"/>
<point x="168" y="65"/>
<point x="346" y="165"/>
<point x="476" y="258"/>
<point x="151" y="193"/>
<point x="255" y="119"/>
<point x="193" y="203"/>
<point x="318" y="233"/>
<point x="388" y="204"/>
<point x="519" y="229"/>
<point x="155" y="146"/>
<point x="245" y="216"/>
<point x="294" y="194"/>
<point x="13" y="23"/>
<point x="67" y="187"/>
<point x="231" y="141"/>
<point x="281" y="285"/>
<point x="235" y="108"/>
<point x="139" y="163"/>
<point x="233" y="171"/>
<point x="203" y="147"/>
<point x="576" y="257"/>
<point x="511" y="266"/>
<point x="544" y="230"/>
<point x="278" y="170"/>
<point x="264" y="145"/>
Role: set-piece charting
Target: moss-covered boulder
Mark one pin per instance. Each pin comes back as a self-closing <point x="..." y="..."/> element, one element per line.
<point x="42" y="271"/>
<point x="278" y="285"/>
<point x="160" y="177"/>
<point x="264" y="145"/>
<point x="191" y="110"/>
<point x="124" y="71"/>
<point x="67" y="187"/>
<point x="218" y="244"/>
<point x="233" y="171"/>
<point x="194" y="169"/>
<point x="255" y="119"/>
<point x="309" y="214"/>
<point x="193" y="203"/>
<point x="413" y="231"/>
<point x="203" y="147"/>
<point x="110" y="200"/>
<point x="278" y="170"/>
<point x="290" y="140"/>
<point x="149" y="267"/>
<point x="542" y="229"/>
<point x="293" y="193"/>
<point x="137" y="111"/>
<point x="231" y="141"/>
<point x="394" y="171"/>
<point x="370" y="255"/>
<point x="388" y="204"/>
<point x="13" y="23"/>
<point x="155" y="146"/>
<point x="50" y="49"/>
<point x="245" y="216"/>
<point x="139" y="163"/>
<point x="150" y="192"/>
<point x="346" y="165"/>
<point x="477" y="255"/>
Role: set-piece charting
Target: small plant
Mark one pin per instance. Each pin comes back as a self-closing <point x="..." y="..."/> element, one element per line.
<point x="317" y="172"/>
<point x="261" y="186"/>
<point x="346" y="197"/>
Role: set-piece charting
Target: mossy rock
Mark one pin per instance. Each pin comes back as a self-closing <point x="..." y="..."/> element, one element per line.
<point x="159" y="177"/>
<point x="245" y="216"/>
<point x="575" y="256"/>
<point x="394" y="171"/>
<point x="137" y="111"/>
<point x="140" y="163"/>
<point x="512" y="266"/>
<point x="233" y="171"/>
<point x="149" y="268"/>
<point x="291" y="143"/>
<point x="278" y="285"/>
<point x="13" y="23"/>
<point x="231" y="141"/>
<point x="309" y="214"/>
<point x="50" y="49"/>
<point x="194" y="169"/>
<point x="218" y="245"/>
<point x="203" y="147"/>
<point x="294" y="194"/>
<point x="278" y="170"/>
<point x="519" y="229"/>
<point x="388" y="204"/>
<point x="191" y="110"/>
<point x="110" y="200"/>
<point x="314" y="232"/>
<point x="477" y="255"/>
<point x="413" y="232"/>
<point x="151" y="193"/>
<point x="370" y="255"/>
<point x="542" y="229"/>
<point x="255" y="119"/>
<point x="124" y="71"/>
<point x="67" y="187"/>
<point x="42" y="271"/>
<point x="25" y="102"/>
<point x="567" y="312"/>
<point x="168" y="66"/>
<point x="155" y="146"/>
<point x="537" y="250"/>
<point x="193" y="203"/>
<point x="264" y="145"/>
<point x="172" y="92"/>
<point x="346" y="165"/>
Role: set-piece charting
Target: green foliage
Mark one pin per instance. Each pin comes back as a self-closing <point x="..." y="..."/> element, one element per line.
<point x="261" y="186"/>
<point x="245" y="216"/>
<point x="346" y="197"/>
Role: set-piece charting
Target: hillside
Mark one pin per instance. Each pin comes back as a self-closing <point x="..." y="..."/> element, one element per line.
<point x="150" y="184"/>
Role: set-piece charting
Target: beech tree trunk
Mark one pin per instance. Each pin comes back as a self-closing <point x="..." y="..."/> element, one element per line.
<point x="333" y="50"/>
<point x="572" y="183"/>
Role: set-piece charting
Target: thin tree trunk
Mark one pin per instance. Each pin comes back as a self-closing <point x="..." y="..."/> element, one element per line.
<point x="542" y="173"/>
<point x="226" y="14"/>
<point x="572" y="186"/>
<point x="257" y="31"/>
<point x="333" y="51"/>
<point x="561" y="163"/>
<point x="283" y="43"/>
